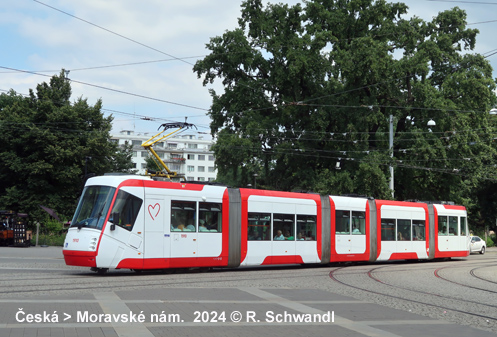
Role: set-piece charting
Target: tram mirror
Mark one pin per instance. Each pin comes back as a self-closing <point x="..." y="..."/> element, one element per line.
<point x="114" y="220"/>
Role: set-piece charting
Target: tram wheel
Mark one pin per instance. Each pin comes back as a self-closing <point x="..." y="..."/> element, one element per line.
<point x="99" y="271"/>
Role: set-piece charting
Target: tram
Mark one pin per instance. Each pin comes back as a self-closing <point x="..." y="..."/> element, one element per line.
<point x="137" y="223"/>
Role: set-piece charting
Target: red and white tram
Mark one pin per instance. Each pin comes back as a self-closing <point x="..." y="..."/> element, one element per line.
<point x="133" y="222"/>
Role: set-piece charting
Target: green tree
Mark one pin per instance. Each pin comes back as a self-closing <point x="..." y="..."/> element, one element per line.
<point x="45" y="143"/>
<point x="309" y="86"/>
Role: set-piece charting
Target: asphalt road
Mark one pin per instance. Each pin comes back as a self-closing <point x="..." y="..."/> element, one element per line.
<point x="41" y="296"/>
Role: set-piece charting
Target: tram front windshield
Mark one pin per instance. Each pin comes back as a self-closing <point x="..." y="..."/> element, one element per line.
<point x="93" y="207"/>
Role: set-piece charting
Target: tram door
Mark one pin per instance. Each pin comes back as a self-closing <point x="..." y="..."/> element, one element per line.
<point x="451" y="235"/>
<point x="129" y="228"/>
<point x="283" y="249"/>
<point x="156" y="238"/>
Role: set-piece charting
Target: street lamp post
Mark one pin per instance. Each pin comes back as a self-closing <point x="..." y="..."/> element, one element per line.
<point x="391" y="155"/>
<point x="431" y="122"/>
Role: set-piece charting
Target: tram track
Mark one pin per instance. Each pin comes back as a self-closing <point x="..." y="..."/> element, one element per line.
<point x="471" y="272"/>
<point x="334" y="275"/>
<point x="87" y="283"/>
<point x="370" y="275"/>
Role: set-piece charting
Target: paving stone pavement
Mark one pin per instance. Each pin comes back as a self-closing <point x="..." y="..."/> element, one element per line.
<point x="203" y="310"/>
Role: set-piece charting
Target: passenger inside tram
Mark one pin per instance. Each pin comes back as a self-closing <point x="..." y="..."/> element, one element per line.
<point x="279" y="236"/>
<point x="201" y="227"/>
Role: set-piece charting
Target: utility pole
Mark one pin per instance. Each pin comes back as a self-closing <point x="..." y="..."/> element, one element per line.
<point x="391" y="156"/>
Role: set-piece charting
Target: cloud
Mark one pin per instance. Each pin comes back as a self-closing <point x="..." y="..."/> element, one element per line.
<point x="40" y="38"/>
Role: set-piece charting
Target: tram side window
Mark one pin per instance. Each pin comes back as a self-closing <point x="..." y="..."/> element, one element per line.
<point x="463" y="226"/>
<point x="442" y="226"/>
<point x="358" y="223"/>
<point x="183" y="216"/>
<point x="259" y="227"/>
<point x="306" y="228"/>
<point x="403" y="230"/>
<point x="284" y="227"/>
<point x="453" y="225"/>
<point x="342" y="222"/>
<point x="128" y="206"/>
<point x="418" y="230"/>
<point x="209" y="217"/>
<point x="388" y="229"/>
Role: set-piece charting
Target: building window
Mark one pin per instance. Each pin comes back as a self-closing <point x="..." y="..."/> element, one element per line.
<point x="192" y="146"/>
<point x="160" y="154"/>
<point x="210" y="168"/>
<point x="172" y="145"/>
<point x="211" y="179"/>
<point x="134" y="154"/>
<point x="201" y="179"/>
<point x="201" y="157"/>
<point x="144" y="165"/>
<point x="190" y="178"/>
<point x="211" y="157"/>
<point x="175" y="167"/>
<point x="144" y="154"/>
<point x="191" y="156"/>
<point x="201" y="169"/>
<point x="190" y="168"/>
<point x="136" y="142"/>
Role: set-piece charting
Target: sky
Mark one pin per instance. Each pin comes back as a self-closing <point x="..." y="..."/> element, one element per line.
<point x="137" y="56"/>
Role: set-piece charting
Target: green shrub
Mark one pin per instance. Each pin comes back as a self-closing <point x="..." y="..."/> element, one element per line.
<point x="51" y="226"/>
<point x="49" y="239"/>
<point x="490" y="242"/>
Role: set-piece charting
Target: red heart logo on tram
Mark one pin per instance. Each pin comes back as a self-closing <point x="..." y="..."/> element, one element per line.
<point x="151" y="209"/>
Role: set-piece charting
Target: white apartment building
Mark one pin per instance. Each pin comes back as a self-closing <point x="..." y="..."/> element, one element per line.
<point x="185" y="154"/>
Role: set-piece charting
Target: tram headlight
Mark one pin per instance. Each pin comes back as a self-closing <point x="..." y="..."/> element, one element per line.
<point x="93" y="243"/>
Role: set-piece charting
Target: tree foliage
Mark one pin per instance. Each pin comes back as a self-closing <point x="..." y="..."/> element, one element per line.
<point x="309" y="86"/>
<point x="45" y="144"/>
